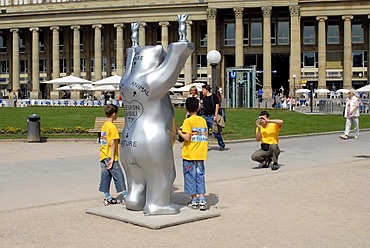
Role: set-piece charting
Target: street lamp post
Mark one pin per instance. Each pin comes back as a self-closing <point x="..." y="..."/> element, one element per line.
<point x="213" y="57"/>
<point x="311" y="95"/>
<point x="294" y="76"/>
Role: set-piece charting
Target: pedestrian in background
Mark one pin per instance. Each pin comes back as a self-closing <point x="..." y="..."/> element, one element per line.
<point x="211" y="106"/>
<point x="352" y="114"/>
<point x="15" y="99"/>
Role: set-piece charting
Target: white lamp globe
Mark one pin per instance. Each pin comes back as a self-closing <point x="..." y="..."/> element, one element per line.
<point x="213" y="57"/>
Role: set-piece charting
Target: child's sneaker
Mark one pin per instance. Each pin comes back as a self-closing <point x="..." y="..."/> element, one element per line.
<point x="193" y="205"/>
<point x="110" y="201"/>
<point x="202" y="205"/>
<point x="124" y="194"/>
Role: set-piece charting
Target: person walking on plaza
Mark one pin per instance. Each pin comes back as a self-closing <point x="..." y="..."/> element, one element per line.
<point x="352" y="114"/>
<point x="267" y="132"/>
<point x="194" y="152"/>
<point x="110" y="167"/>
<point x="211" y="105"/>
<point x="15" y="99"/>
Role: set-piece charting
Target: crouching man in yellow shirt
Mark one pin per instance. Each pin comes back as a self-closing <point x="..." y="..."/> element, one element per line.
<point x="267" y="132"/>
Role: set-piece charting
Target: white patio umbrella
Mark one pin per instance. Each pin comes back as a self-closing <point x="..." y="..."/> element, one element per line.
<point x="74" y="87"/>
<point x="113" y="80"/>
<point x="365" y="88"/>
<point x="106" y="87"/>
<point x="342" y="91"/>
<point x="187" y="87"/>
<point x="67" y="80"/>
<point x="302" y="91"/>
<point x="322" y="91"/>
<point x="88" y="86"/>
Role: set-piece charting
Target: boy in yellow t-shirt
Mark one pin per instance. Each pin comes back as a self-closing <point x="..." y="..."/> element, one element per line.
<point x="194" y="153"/>
<point x="109" y="164"/>
<point x="267" y="132"/>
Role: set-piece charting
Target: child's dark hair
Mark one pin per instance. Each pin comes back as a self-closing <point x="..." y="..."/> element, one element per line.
<point x="192" y="104"/>
<point x="110" y="109"/>
<point x="264" y="112"/>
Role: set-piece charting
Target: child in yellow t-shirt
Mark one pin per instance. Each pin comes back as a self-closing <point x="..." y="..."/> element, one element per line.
<point x="110" y="167"/>
<point x="194" y="153"/>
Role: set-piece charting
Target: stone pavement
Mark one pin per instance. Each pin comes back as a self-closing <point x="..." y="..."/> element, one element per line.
<point x="319" y="197"/>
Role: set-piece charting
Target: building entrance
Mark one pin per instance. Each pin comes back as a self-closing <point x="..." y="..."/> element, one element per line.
<point x="240" y="87"/>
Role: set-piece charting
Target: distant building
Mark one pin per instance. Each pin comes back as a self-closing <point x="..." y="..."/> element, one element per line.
<point x="325" y="43"/>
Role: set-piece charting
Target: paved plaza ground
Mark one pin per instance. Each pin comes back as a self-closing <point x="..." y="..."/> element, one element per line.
<point x="319" y="197"/>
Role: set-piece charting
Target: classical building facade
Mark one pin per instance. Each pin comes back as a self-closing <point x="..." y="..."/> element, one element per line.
<point x="291" y="42"/>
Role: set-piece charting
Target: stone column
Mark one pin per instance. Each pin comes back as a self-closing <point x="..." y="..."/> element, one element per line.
<point x="76" y="51"/>
<point x="164" y="38"/>
<point x="15" y="60"/>
<point x="54" y="94"/>
<point x="97" y="48"/>
<point x="347" y="53"/>
<point x="267" y="89"/>
<point x="119" y="49"/>
<point x="188" y="64"/>
<point x="239" y="55"/>
<point x="35" y="93"/>
<point x="295" y="48"/>
<point x="322" y="52"/>
<point x="211" y="34"/>
<point x="142" y="34"/>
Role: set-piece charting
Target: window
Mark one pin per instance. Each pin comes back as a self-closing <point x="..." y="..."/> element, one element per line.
<point x="333" y="33"/>
<point x="203" y="35"/>
<point x="309" y="33"/>
<point x="357" y="33"/>
<point x="334" y="56"/>
<point x="71" y="65"/>
<point x="23" y="66"/>
<point x="113" y="64"/>
<point x="2" y="43"/>
<point x="102" y="40"/>
<point x="202" y="61"/>
<point x="4" y="67"/>
<point x="309" y="59"/>
<point x="229" y="34"/>
<point x="104" y="64"/>
<point x="159" y="36"/>
<point x="359" y="58"/>
<point x="61" y="41"/>
<point x="92" y="64"/>
<point x="42" y="42"/>
<point x="245" y="34"/>
<point x="273" y="33"/>
<point x="62" y="65"/>
<point x="81" y="40"/>
<point x="115" y="41"/>
<point x="82" y="64"/>
<point x="42" y="66"/>
<point x="283" y="33"/>
<point x="256" y="33"/>
<point x="22" y="42"/>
